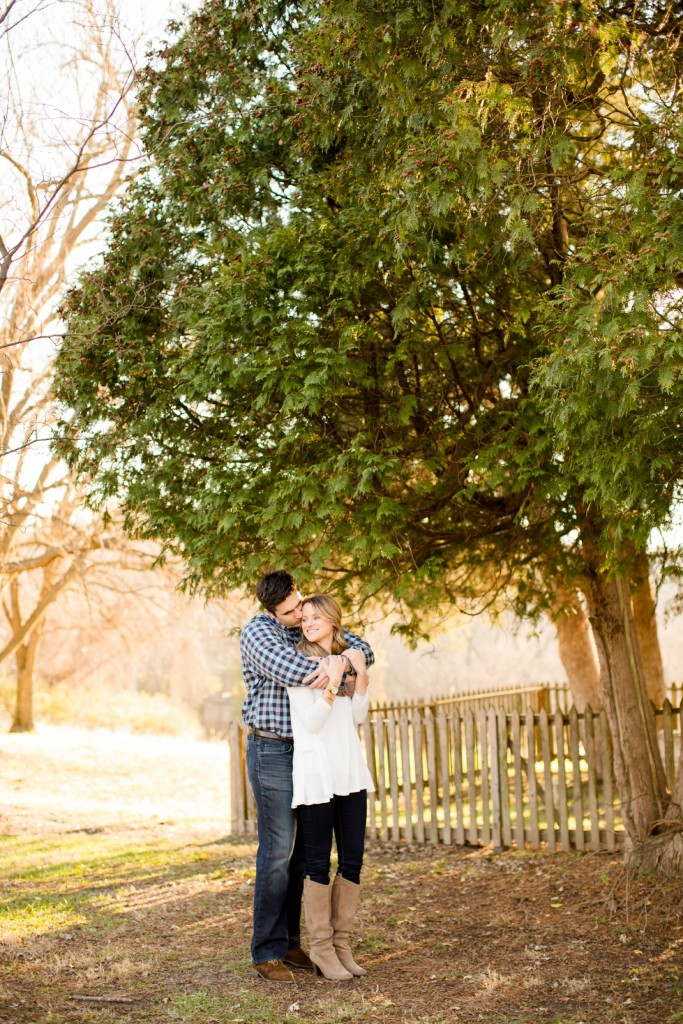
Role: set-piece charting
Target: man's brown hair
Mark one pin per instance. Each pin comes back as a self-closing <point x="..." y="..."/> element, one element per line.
<point x="274" y="588"/>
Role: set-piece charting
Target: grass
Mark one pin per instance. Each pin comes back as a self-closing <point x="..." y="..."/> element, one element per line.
<point x="163" y="927"/>
<point x="87" y="920"/>
<point x="115" y="910"/>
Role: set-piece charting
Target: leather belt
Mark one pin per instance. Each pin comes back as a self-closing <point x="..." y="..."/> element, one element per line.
<point x="268" y="735"/>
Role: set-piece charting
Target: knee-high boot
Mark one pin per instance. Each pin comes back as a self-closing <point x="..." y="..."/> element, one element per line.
<point x="317" y="909"/>
<point x="345" y="896"/>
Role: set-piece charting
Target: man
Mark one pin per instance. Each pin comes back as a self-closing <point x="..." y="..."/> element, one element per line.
<point x="270" y="663"/>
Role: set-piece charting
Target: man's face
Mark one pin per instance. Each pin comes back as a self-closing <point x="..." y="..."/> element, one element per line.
<point x="288" y="612"/>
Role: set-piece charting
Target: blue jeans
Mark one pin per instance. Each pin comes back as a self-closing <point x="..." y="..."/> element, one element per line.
<point x="280" y="860"/>
<point x="345" y="817"/>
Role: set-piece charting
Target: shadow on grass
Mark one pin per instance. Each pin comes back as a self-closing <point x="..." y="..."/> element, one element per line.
<point x="104" y="928"/>
<point x="139" y="934"/>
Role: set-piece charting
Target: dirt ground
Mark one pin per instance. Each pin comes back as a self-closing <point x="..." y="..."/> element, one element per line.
<point x="146" y="906"/>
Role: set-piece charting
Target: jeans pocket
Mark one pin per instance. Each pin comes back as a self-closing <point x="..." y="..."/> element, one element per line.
<point x="273" y="764"/>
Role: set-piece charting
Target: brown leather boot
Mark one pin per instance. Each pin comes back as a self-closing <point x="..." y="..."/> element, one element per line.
<point x="317" y="910"/>
<point x="345" y="896"/>
<point x="273" y="970"/>
<point x="299" y="959"/>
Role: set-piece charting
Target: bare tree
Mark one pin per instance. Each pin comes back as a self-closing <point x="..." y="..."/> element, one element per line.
<point x="67" y="137"/>
<point x="14" y="12"/>
<point x="121" y="631"/>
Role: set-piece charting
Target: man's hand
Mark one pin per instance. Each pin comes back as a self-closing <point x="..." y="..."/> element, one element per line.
<point x="330" y="669"/>
<point x="319" y="678"/>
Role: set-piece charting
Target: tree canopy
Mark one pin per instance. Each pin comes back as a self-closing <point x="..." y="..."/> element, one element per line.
<point x="362" y="229"/>
<point x="396" y="301"/>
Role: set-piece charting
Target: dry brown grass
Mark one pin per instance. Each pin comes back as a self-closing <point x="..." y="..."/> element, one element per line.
<point x="119" y="883"/>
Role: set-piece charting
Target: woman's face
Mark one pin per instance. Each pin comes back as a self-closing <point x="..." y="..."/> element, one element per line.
<point x="315" y="626"/>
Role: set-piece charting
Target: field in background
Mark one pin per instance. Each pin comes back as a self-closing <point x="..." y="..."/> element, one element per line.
<point x="84" y="706"/>
<point x="64" y="780"/>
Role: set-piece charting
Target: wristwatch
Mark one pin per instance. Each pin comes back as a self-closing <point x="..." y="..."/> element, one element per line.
<point x="332" y="689"/>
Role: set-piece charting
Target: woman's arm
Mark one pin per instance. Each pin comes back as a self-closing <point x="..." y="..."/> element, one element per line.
<point x="309" y="709"/>
<point x="359" y="707"/>
<point x="357" y="659"/>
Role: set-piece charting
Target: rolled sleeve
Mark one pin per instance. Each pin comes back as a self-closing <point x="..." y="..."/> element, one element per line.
<point x="273" y="659"/>
<point x="361" y="645"/>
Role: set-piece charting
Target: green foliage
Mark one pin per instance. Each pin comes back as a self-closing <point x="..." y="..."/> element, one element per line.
<point x="363" y="231"/>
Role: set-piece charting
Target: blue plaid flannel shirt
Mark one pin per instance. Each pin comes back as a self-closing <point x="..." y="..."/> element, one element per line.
<point x="270" y="663"/>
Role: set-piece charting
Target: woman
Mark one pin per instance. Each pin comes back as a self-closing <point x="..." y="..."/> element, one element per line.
<point x="331" y="783"/>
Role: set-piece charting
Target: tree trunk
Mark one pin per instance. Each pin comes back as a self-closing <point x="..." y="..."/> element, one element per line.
<point x="637" y="762"/>
<point x="663" y="853"/>
<point x="576" y="650"/>
<point x="25" y="658"/>
<point x="646" y="630"/>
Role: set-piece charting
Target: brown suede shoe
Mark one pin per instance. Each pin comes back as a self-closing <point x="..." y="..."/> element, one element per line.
<point x="297" y="958"/>
<point x="273" y="970"/>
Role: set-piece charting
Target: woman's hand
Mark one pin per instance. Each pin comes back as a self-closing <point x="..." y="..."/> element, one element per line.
<point x="356" y="658"/>
<point x="332" y="669"/>
<point x="334" y="664"/>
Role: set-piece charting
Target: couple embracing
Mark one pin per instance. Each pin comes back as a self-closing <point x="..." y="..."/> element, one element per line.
<point x="306" y="680"/>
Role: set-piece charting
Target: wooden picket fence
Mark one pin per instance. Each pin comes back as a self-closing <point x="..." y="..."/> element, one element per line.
<point x="217" y="711"/>
<point x="549" y="696"/>
<point x="485" y="777"/>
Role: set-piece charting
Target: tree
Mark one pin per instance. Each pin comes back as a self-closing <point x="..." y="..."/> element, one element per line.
<point x="316" y="335"/>
<point x="60" y="167"/>
<point x="576" y="650"/>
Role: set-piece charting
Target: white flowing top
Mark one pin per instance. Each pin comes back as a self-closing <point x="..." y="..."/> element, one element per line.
<point x="328" y="760"/>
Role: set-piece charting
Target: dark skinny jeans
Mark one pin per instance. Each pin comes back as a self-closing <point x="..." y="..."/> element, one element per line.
<point x="344" y="817"/>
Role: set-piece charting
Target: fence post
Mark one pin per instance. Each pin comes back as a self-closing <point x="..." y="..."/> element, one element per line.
<point x="367" y="732"/>
<point x="562" y="794"/>
<point x="393" y="775"/>
<point x="534" y="831"/>
<point x="445" y="776"/>
<point x="237" y="772"/>
<point x="419" y="778"/>
<point x="432" y="782"/>
<point x="381" y="777"/>
<point x="406" y="775"/>
<point x="485" y="784"/>
<point x="607" y="774"/>
<point x="592" y="778"/>
<point x="577" y="782"/>
<point x="470" y="759"/>
<point x="504" y="778"/>
<point x="519" y="785"/>
<point x="456" y="734"/>
<point x="667" y="730"/>
<point x="494" y="761"/>
<point x="547" y="780"/>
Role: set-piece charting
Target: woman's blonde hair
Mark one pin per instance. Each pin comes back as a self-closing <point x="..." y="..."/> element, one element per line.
<point x="330" y="609"/>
